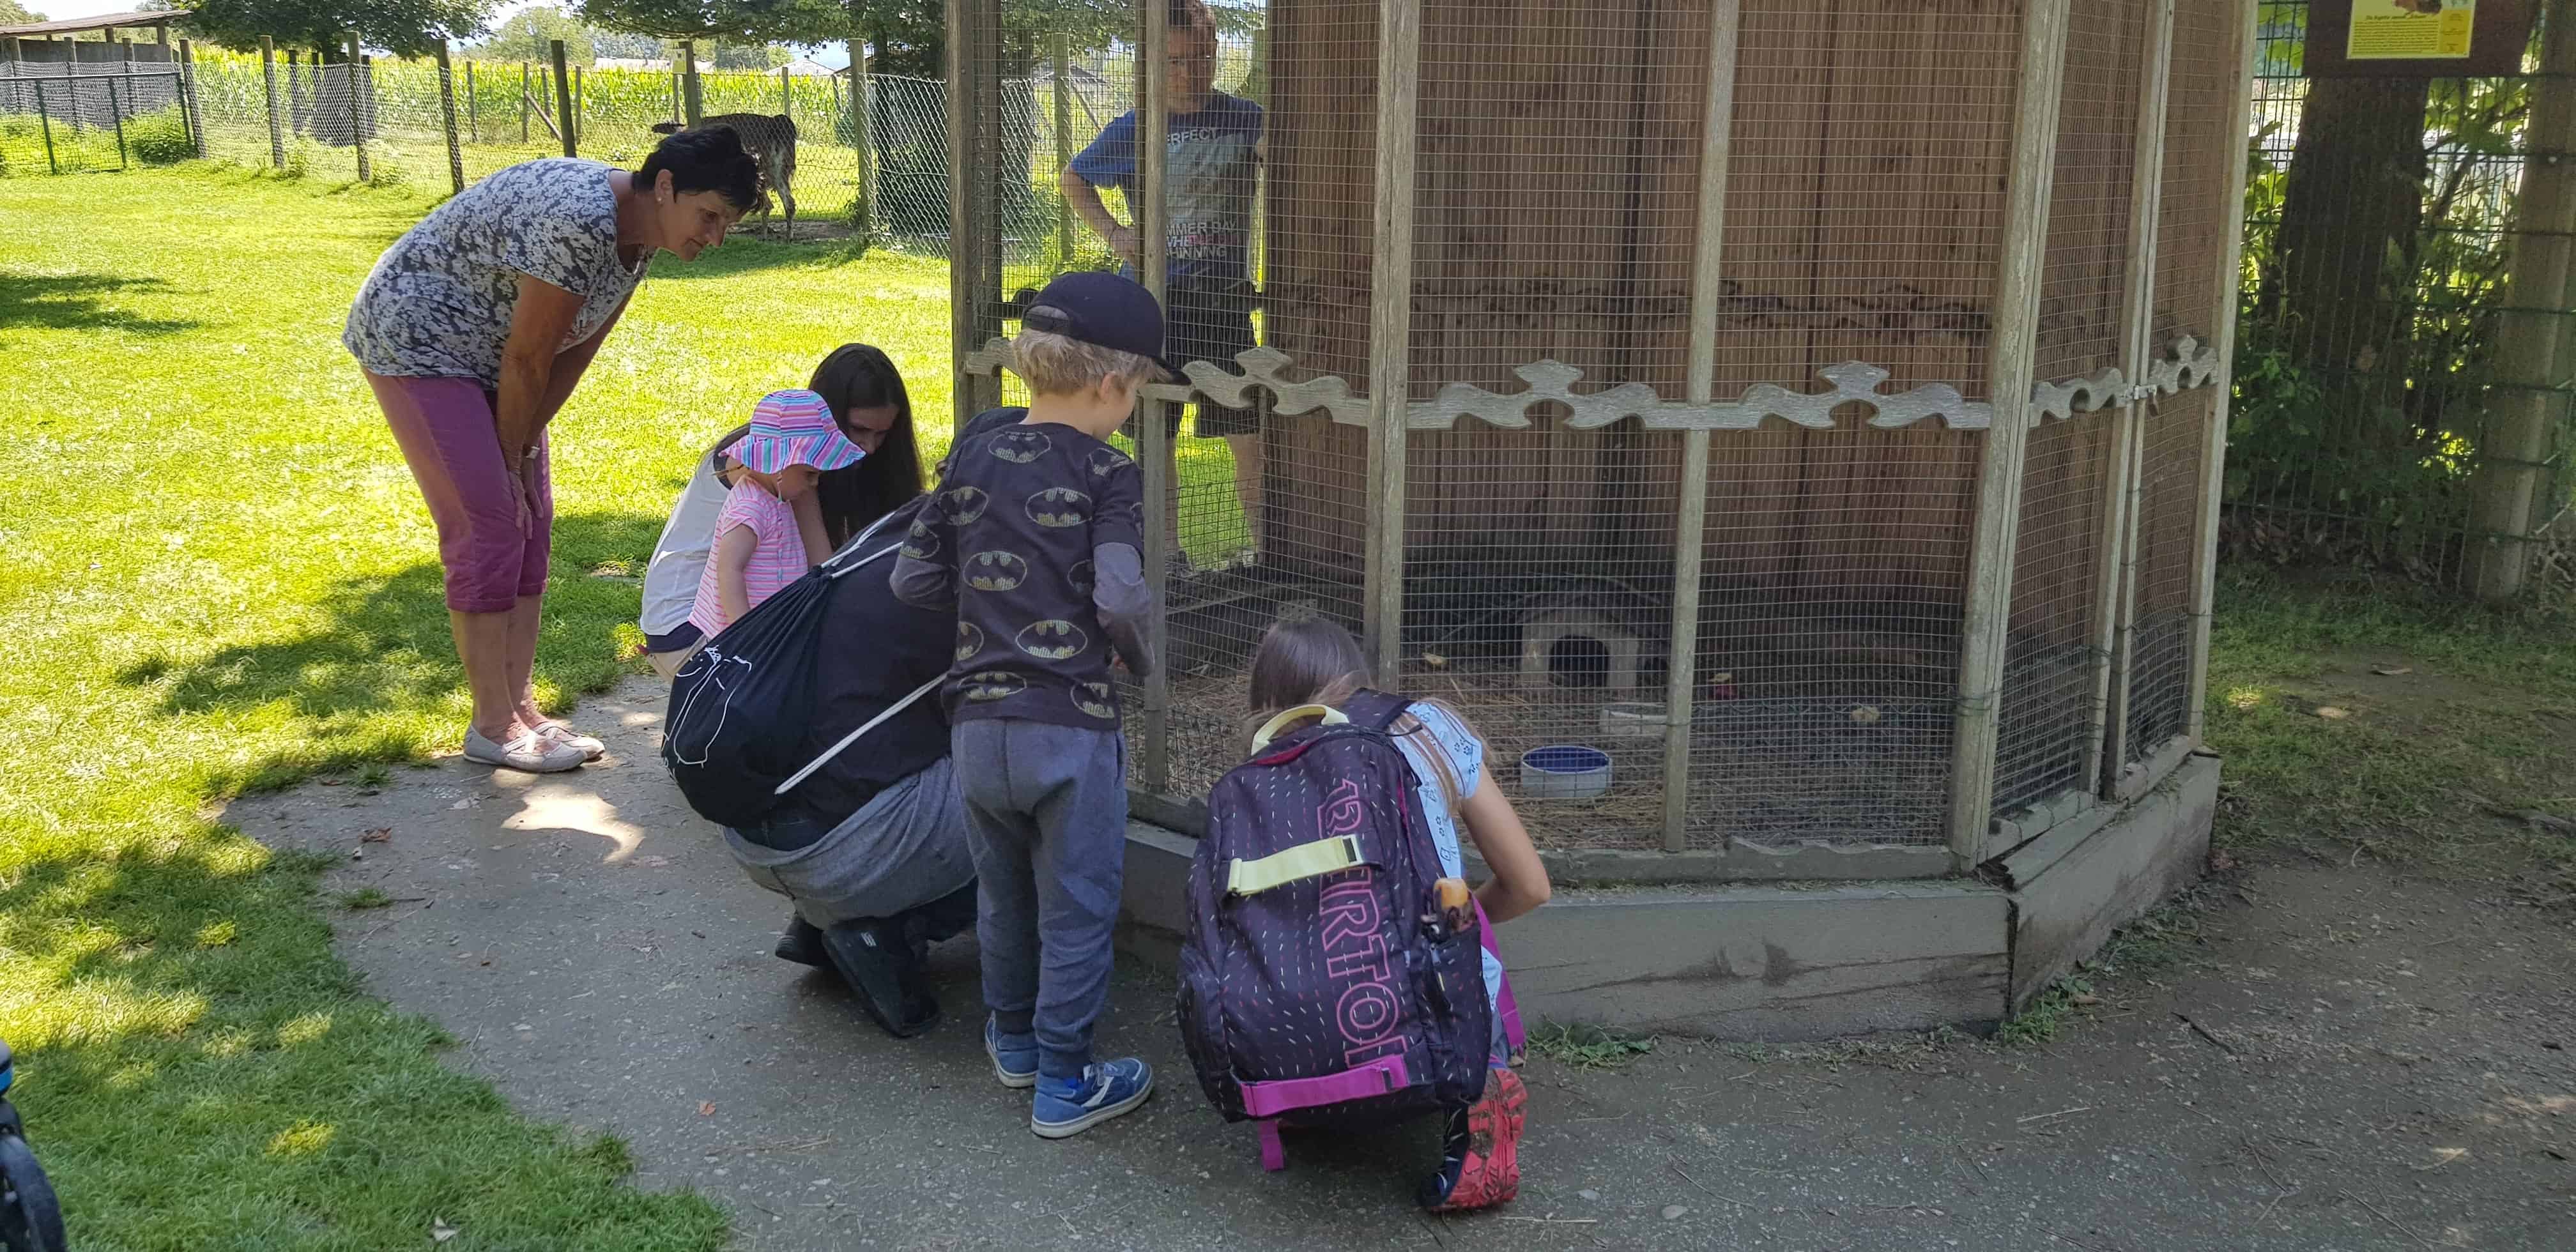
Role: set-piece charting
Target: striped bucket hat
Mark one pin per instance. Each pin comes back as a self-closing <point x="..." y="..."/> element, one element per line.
<point x="795" y="427"/>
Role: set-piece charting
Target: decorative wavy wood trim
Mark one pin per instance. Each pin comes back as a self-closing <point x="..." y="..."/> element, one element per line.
<point x="2187" y="364"/>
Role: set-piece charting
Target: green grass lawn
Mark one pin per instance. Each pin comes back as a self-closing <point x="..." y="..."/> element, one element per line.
<point x="220" y="577"/>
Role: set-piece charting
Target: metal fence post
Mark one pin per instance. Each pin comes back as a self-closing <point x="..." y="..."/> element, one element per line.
<point x="268" y="79"/>
<point x="192" y="113"/>
<point x="563" y="99"/>
<point x="580" y="105"/>
<point x="447" y="119"/>
<point x="357" y="135"/>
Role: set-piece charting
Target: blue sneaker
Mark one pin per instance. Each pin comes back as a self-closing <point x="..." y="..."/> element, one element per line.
<point x="1015" y="1057"/>
<point x="1108" y="1088"/>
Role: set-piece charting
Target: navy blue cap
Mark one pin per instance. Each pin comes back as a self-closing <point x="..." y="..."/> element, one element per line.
<point x="1102" y="309"/>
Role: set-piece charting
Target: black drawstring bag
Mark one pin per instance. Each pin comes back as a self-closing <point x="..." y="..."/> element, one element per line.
<point x="740" y="707"/>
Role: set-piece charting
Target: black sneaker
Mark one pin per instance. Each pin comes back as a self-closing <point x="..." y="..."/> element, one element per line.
<point x="802" y="943"/>
<point x="885" y="974"/>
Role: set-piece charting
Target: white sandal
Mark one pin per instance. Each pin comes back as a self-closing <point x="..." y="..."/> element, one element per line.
<point x="530" y="751"/>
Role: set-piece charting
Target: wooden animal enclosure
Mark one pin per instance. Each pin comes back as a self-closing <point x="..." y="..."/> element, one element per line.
<point x="1813" y="404"/>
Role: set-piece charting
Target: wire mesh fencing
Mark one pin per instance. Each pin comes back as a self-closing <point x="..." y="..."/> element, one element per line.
<point x="2380" y="228"/>
<point x="74" y="117"/>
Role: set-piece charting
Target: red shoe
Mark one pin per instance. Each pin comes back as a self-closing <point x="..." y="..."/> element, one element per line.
<point x="1482" y="1157"/>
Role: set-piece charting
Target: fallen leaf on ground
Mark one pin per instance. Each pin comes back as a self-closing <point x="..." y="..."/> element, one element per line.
<point x="707" y="1109"/>
<point x="2442" y="1157"/>
<point x="2392" y="671"/>
<point x="379" y="835"/>
<point x="2333" y="714"/>
<point x="440" y="1231"/>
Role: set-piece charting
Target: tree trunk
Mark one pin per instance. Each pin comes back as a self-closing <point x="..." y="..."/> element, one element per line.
<point x="2354" y="201"/>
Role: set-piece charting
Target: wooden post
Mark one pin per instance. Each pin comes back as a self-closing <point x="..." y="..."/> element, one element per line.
<point x="295" y="90"/>
<point x="2116" y="573"/>
<point x="357" y="124"/>
<point x="1152" y="210"/>
<point x="2213" y="455"/>
<point x="786" y="96"/>
<point x="862" y="119"/>
<point x="563" y="100"/>
<point x="1690" y="536"/>
<point x="2011" y="350"/>
<point x="268" y="81"/>
<point x="2511" y="458"/>
<point x="693" y="96"/>
<point x="1061" y="47"/>
<point x="473" y="115"/>
<point x="524" y="101"/>
<point x="192" y="113"/>
<point x="965" y="323"/>
<point x="45" y="119"/>
<point x="447" y="117"/>
<point x="161" y="33"/>
<point x="116" y="107"/>
<point x="1399" y="83"/>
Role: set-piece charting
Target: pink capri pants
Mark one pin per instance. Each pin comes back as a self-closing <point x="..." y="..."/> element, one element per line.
<point x="492" y="532"/>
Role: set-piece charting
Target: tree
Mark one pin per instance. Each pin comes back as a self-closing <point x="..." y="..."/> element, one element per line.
<point x="529" y="34"/>
<point x="907" y="37"/>
<point x="13" y="13"/>
<point x="404" y="27"/>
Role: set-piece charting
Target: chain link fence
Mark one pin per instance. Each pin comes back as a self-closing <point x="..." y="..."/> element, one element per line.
<point x="2381" y="225"/>
<point x="881" y="169"/>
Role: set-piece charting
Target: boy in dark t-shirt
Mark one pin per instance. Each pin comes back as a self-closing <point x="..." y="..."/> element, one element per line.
<point x="1033" y="537"/>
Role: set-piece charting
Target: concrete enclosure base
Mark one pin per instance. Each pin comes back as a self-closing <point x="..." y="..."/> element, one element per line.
<point x="1781" y="963"/>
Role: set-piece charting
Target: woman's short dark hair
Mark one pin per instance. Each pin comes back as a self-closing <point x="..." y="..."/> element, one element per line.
<point x="709" y="158"/>
<point x="859" y="376"/>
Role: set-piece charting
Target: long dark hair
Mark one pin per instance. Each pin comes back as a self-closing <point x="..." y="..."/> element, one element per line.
<point x="858" y="376"/>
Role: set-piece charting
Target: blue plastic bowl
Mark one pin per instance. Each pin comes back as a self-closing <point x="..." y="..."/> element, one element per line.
<point x="1564" y="771"/>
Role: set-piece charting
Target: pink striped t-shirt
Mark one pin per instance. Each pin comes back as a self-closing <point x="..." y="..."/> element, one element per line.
<point x="777" y="558"/>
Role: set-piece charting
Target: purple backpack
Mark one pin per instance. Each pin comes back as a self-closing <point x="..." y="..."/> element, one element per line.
<point x="1321" y="981"/>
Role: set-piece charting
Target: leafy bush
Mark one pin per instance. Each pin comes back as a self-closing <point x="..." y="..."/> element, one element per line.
<point x="160" y="137"/>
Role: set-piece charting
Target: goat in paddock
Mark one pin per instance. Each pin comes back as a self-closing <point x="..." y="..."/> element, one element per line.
<point x="770" y="138"/>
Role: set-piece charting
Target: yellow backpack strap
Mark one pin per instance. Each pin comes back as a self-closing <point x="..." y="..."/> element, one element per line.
<point x="1270" y="729"/>
<point x="1306" y="860"/>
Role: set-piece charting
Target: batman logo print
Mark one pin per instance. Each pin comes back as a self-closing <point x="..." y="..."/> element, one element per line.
<point x="1105" y="461"/>
<point x="995" y="571"/>
<point x="986" y="686"/>
<point x="970" y="640"/>
<point x="1053" y="640"/>
<point x="963" y="505"/>
<point x="1083" y="578"/>
<point x="919" y="543"/>
<point x="1020" y="445"/>
<point x="1059" y="507"/>
<point x="1093" y="698"/>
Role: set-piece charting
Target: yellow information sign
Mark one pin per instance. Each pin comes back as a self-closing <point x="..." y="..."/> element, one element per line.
<point x="2410" y="30"/>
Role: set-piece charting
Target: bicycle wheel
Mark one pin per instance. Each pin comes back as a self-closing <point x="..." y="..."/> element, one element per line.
<point x="30" y="1220"/>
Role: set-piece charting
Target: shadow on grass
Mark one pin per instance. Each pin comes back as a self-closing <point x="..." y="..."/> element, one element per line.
<point x="73" y="302"/>
<point x="195" y="1067"/>
<point x="385" y="649"/>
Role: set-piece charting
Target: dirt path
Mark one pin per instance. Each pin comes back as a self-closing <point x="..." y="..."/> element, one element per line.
<point x="2345" y="1059"/>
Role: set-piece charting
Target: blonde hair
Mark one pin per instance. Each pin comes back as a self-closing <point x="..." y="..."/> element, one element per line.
<point x="1055" y="365"/>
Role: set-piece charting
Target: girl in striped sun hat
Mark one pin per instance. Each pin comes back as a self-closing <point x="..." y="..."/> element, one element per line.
<point x="771" y="528"/>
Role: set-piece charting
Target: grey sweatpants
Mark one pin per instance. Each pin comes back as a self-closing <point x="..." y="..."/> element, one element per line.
<point x="1046" y="820"/>
<point x="904" y="848"/>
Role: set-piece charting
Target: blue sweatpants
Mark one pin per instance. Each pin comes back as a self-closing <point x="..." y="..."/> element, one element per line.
<point x="1046" y="821"/>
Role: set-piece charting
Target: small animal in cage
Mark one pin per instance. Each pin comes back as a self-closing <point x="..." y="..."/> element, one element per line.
<point x="770" y="138"/>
